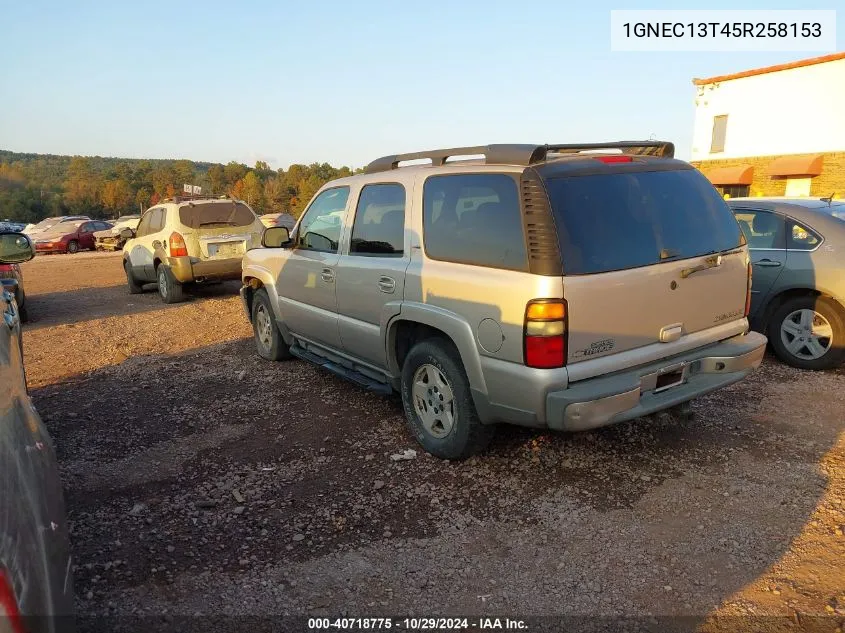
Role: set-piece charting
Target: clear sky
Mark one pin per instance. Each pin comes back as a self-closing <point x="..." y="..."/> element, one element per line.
<point x="341" y="82"/>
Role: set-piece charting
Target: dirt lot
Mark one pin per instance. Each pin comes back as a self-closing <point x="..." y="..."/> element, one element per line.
<point x="201" y="480"/>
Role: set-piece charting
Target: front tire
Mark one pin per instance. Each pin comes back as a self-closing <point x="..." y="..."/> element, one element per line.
<point x="73" y="247"/>
<point x="134" y="287"/>
<point x="169" y="289"/>
<point x="809" y="333"/>
<point x="438" y="403"/>
<point x="268" y="338"/>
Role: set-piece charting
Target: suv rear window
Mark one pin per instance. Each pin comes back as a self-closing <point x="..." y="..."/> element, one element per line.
<point x="474" y="219"/>
<point x="625" y="220"/>
<point x="211" y="215"/>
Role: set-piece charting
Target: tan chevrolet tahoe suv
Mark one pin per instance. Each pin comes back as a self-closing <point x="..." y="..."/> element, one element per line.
<point x="184" y="241"/>
<point x="554" y="286"/>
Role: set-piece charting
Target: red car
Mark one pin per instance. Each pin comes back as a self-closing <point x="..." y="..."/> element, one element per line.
<point x="70" y="237"/>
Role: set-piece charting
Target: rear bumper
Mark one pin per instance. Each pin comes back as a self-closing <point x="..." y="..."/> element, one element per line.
<point x="185" y="270"/>
<point x="632" y="393"/>
<point x="51" y="248"/>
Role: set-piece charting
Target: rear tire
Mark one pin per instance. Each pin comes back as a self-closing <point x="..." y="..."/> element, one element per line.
<point x="73" y="247"/>
<point x="438" y="402"/>
<point x="268" y="338"/>
<point x="809" y="333"/>
<point x="169" y="289"/>
<point x="134" y="287"/>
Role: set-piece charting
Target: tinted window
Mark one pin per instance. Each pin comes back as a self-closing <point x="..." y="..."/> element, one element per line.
<point x="320" y="227"/>
<point x="379" y="227"/>
<point x="629" y="219"/>
<point x="87" y="227"/>
<point x="802" y="238"/>
<point x="215" y="215"/>
<point x="474" y="219"/>
<point x="762" y="229"/>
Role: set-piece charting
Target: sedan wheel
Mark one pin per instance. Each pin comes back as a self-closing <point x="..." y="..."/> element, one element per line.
<point x="806" y="334"/>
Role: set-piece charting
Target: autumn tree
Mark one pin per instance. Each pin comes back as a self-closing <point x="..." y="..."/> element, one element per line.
<point x="142" y="198"/>
<point x="276" y="195"/>
<point x="234" y="171"/>
<point x="116" y="195"/>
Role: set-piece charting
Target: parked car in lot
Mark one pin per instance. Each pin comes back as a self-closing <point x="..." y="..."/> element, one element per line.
<point x="69" y="237"/>
<point x="546" y="286"/>
<point x="189" y="241"/>
<point x="278" y="219"/>
<point x="35" y="568"/>
<point x="12" y="271"/>
<point x="798" y="295"/>
<point x="47" y="224"/>
<point x="111" y="239"/>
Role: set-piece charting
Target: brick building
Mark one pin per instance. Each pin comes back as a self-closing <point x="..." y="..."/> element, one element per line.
<point x="774" y="131"/>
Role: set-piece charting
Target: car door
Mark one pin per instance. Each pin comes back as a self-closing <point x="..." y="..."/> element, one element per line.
<point x="371" y="274"/>
<point x="765" y="231"/>
<point x="86" y="235"/>
<point x="306" y="283"/>
<point x="140" y="247"/>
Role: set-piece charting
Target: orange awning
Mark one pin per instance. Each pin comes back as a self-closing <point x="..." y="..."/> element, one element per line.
<point x="739" y="175"/>
<point x="797" y="166"/>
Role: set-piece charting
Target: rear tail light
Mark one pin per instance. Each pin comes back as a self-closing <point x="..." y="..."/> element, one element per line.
<point x="178" y="248"/>
<point x="545" y="333"/>
<point x="615" y="159"/>
<point x="9" y="611"/>
<point x="748" y="293"/>
<point x="7" y="271"/>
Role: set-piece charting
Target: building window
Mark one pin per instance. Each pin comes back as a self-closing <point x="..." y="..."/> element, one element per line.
<point x="798" y="187"/>
<point x="733" y="191"/>
<point x="720" y="127"/>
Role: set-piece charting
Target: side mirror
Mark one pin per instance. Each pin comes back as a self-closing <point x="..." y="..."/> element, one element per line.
<point x="15" y="248"/>
<point x="275" y="237"/>
<point x="127" y="233"/>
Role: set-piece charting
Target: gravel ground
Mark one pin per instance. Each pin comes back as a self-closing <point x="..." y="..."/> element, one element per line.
<point x="204" y="481"/>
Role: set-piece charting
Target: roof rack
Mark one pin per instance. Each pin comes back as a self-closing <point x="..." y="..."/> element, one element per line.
<point x="521" y="154"/>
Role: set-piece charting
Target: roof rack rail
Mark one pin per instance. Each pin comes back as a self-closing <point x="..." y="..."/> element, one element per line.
<point x="520" y="154"/>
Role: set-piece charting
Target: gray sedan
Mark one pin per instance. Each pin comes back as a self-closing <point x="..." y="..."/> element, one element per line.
<point x="797" y="248"/>
<point x="36" y="588"/>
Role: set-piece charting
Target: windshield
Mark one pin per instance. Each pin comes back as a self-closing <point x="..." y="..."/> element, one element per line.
<point x="629" y="219"/>
<point x="212" y="215"/>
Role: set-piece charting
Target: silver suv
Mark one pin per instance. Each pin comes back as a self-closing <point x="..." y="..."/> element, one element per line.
<point x="553" y="286"/>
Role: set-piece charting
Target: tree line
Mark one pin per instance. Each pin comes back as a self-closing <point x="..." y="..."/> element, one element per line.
<point x="36" y="186"/>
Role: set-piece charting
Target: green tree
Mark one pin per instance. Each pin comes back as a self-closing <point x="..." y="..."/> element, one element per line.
<point x="81" y="186"/>
<point x="234" y="171"/>
<point x="217" y="179"/>
<point x="276" y="195"/>
<point x="306" y="188"/>
<point x="183" y="171"/>
<point x="142" y="198"/>
<point x="252" y="191"/>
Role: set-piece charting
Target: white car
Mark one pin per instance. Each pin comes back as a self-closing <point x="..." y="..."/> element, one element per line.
<point x="186" y="241"/>
<point x="52" y="224"/>
<point x="110" y="239"/>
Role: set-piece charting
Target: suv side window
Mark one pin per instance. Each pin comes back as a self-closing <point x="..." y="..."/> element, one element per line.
<point x="379" y="228"/>
<point x="320" y="227"/>
<point x="474" y="219"/>
<point x="802" y="238"/>
<point x="157" y="221"/>
<point x="144" y="225"/>
<point x="762" y="229"/>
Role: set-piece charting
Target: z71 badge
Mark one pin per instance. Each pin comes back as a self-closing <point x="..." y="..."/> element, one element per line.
<point x="598" y="347"/>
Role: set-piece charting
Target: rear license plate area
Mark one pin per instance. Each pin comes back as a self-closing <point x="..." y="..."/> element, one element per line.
<point x="670" y="377"/>
<point x="225" y="249"/>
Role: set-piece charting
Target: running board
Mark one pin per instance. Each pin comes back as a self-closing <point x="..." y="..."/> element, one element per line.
<point x="344" y="372"/>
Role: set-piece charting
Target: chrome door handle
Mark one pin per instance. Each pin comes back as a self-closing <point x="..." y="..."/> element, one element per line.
<point x="327" y="275"/>
<point x="767" y="263"/>
<point x="387" y="284"/>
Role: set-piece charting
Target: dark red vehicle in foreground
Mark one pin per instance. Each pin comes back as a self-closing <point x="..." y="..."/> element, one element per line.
<point x="70" y="237"/>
